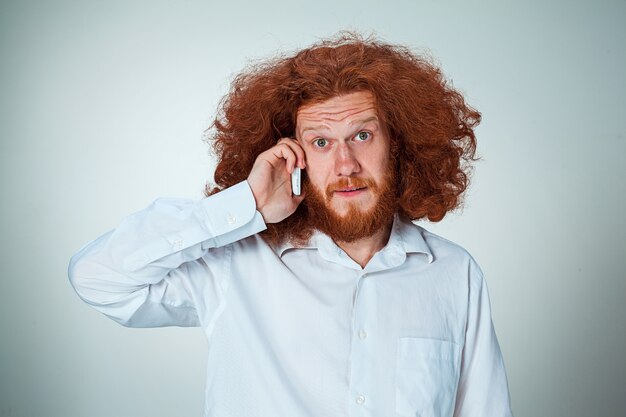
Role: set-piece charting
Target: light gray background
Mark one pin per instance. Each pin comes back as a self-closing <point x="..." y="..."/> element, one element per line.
<point x="103" y="107"/>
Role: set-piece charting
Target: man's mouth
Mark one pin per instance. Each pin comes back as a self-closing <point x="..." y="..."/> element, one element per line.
<point x="348" y="187"/>
<point x="350" y="190"/>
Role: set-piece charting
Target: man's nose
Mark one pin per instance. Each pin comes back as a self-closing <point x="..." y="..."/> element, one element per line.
<point x="346" y="162"/>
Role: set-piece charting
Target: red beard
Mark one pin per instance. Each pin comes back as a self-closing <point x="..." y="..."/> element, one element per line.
<point x="355" y="224"/>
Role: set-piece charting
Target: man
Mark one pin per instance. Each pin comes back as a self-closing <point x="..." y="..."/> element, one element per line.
<point x="332" y="303"/>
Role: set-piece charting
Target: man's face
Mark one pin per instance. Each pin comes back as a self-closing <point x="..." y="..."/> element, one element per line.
<point x="347" y="156"/>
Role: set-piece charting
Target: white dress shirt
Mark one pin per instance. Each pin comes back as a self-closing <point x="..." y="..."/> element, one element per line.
<point x="304" y="331"/>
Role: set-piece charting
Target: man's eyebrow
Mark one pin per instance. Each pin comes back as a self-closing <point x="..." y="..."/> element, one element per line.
<point x="362" y="122"/>
<point x="318" y="127"/>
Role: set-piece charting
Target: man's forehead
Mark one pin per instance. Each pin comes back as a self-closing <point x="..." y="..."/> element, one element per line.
<point x="349" y="107"/>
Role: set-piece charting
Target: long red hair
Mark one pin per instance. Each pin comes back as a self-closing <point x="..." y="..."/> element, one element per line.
<point x="430" y="126"/>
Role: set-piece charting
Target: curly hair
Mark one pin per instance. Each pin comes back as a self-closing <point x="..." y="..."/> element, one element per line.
<point x="430" y="126"/>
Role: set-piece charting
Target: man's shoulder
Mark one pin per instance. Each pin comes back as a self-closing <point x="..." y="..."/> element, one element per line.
<point x="441" y="248"/>
<point x="439" y="242"/>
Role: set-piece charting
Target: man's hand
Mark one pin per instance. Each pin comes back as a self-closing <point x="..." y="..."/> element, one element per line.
<point x="270" y="180"/>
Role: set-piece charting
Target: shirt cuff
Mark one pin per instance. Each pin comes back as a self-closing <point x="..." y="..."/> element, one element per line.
<point x="231" y="214"/>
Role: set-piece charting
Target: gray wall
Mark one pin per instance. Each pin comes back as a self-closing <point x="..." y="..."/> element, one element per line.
<point x="103" y="107"/>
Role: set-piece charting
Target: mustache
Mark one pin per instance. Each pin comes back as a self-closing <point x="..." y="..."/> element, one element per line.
<point x="350" y="183"/>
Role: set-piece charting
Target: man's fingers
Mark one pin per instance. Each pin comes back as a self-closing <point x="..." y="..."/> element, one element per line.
<point x="296" y="149"/>
<point x="283" y="151"/>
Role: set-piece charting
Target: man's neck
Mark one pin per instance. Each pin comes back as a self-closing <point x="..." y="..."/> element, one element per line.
<point x="362" y="250"/>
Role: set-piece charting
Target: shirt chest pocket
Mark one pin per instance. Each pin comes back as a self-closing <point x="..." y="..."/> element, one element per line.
<point x="427" y="375"/>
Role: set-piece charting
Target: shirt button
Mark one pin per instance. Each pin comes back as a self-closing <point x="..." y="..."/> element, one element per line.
<point x="362" y="334"/>
<point x="231" y="219"/>
<point x="178" y="244"/>
<point x="360" y="399"/>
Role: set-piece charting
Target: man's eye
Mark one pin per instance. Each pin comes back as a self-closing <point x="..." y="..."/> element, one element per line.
<point x="320" y="143"/>
<point x="363" y="136"/>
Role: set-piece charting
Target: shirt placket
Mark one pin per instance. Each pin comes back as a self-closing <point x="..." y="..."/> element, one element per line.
<point x="363" y="334"/>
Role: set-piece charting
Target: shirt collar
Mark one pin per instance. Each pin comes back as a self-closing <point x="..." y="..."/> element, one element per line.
<point x="410" y="237"/>
<point x="406" y="237"/>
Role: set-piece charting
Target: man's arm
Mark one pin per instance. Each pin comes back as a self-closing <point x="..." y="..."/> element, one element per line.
<point x="145" y="273"/>
<point x="483" y="387"/>
<point x="148" y="272"/>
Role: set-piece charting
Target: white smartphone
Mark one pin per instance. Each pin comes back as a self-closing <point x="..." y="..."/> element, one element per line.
<point x="295" y="181"/>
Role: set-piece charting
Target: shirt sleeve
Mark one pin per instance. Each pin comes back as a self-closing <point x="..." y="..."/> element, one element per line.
<point x="483" y="387"/>
<point x="161" y="266"/>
